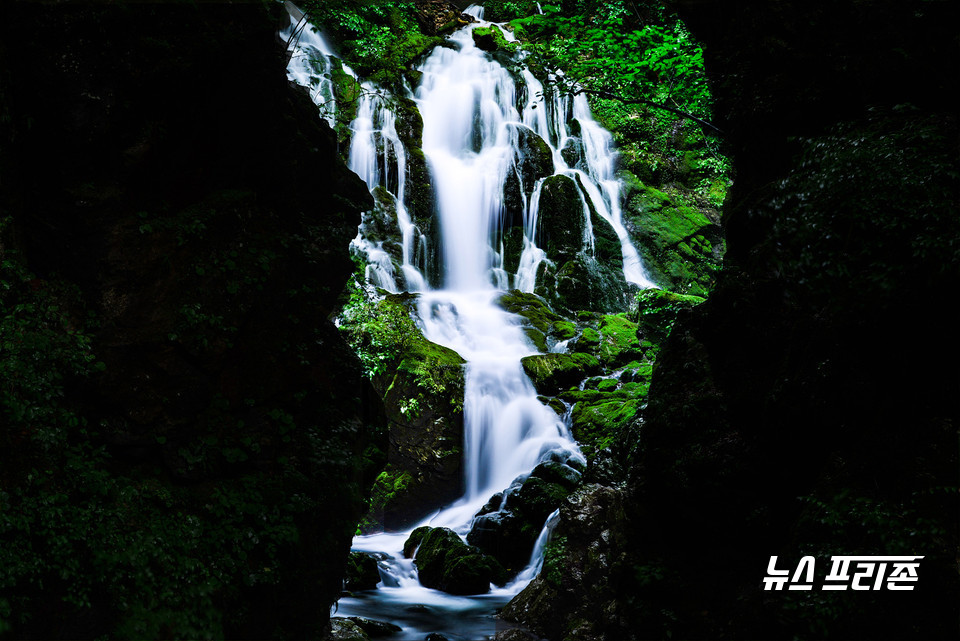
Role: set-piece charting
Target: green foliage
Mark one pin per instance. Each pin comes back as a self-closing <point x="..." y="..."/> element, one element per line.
<point x="555" y="561"/>
<point x="379" y="38"/>
<point x="603" y="46"/>
<point x="380" y="332"/>
<point x="843" y="216"/>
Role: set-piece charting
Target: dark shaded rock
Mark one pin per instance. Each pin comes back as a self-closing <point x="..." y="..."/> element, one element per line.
<point x="562" y="220"/>
<point x="374" y="628"/>
<point x="342" y="629"/>
<point x="362" y="572"/>
<point x="437" y="17"/>
<point x="510" y="533"/>
<point x="444" y="562"/>
<point x="771" y="409"/>
<point x="580" y="569"/>
<point x="572" y="153"/>
<point x="225" y="418"/>
<point x="532" y="160"/>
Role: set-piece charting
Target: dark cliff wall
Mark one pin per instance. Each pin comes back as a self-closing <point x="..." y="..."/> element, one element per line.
<point x="808" y="407"/>
<point x="176" y="221"/>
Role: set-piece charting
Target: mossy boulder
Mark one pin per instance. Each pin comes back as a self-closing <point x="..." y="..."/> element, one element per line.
<point x="343" y="629"/>
<point x="618" y="343"/>
<point x="444" y="562"/>
<point x="596" y="425"/>
<point x="585" y="283"/>
<point x="551" y="373"/>
<point x="572" y="153"/>
<point x="371" y="627"/>
<point x="492" y="39"/>
<point x="544" y="327"/>
<point x="581" y="560"/>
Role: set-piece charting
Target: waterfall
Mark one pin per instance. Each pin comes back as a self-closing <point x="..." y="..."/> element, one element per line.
<point x="475" y="117"/>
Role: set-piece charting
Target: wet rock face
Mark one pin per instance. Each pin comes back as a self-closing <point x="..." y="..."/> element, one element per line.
<point x="508" y="526"/>
<point x="579" y="572"/>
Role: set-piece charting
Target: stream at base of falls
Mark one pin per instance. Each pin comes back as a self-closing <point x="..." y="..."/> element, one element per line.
<point x="474" y="113"/>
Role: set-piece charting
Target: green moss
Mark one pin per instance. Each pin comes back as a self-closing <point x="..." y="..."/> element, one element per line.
<point x="657" y="310"/>
<point x="618" y="343"/>
<point x="492" y="39"/>
<point x="542" y="321"/>
<point x="553" y="372"/>
<point x="608" y="385"/>
<point x="597" y="425"/>
<point x="391" y="482"/>
<point x="505" y="10"/>
<point x="588" y="341"/>
<point x="555" y="560"/>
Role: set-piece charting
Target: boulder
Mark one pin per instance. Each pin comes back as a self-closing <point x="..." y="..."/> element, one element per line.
<point x="509" y="533"/>
<point x="444" y="562"/>
<point x="562" y="222"/>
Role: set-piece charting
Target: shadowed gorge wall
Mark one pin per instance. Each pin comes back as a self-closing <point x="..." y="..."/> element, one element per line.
<point x="808" y="406"/>
<point x="185" y="439"/>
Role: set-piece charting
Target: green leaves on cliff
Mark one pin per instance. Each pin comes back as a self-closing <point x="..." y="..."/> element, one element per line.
<point x="607" y="47"/>
<point x="379" y="38"/>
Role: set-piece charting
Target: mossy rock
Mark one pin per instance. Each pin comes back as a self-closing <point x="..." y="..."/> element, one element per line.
<point x="618" y="344"/>
<point x="444" y="562"/>
<point x="657" y="310"/>
<point x="342" y="629"/>
<point x="681" y="244"/>
<point x="588" y="284"/>
<point x="532" y="160"/>
<point x="541" y="323"/>
<point x="551" y="373"/>
<point x="588" y="341"/>
<point x="423" y="399"/>
<point x="597" y="425"/>
<point x="572" y="153"/>
<point x="362" y="572"/>
<point x="492" y="39"/>
<point x="509" y="533"/>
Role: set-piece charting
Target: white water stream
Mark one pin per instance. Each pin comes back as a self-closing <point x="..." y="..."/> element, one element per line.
<point x="472" y="112"/>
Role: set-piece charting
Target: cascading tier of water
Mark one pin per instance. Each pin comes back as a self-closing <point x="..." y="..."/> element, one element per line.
<point x="474" y="116"/>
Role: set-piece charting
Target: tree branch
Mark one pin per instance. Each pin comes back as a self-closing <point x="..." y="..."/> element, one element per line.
<point x="650" y="103"/>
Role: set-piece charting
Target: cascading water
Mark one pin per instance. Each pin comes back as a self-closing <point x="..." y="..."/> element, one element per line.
<point x="473" y="118"/>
